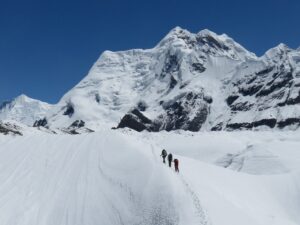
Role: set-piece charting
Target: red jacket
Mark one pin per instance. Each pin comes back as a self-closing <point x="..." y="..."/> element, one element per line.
<point x="176" y="161"/>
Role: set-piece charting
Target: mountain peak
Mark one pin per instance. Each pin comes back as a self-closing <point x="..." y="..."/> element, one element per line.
<point x="278" y="50"/>
<point x="206" y="32"/>
<point x="22" y="98"/>
<point x="23" y="109"/>
<point x="175" y="34"/>
<point x="206" y="41"/>
<point x="177" y="30"/>
<point x="282" y="47"/>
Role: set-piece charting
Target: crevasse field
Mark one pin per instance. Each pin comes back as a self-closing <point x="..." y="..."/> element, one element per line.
<point x="118" y="178"/>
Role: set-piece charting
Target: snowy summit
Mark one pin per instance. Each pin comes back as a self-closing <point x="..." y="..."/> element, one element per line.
<point x="188" y="81"/>
<point x="24" y="109"/>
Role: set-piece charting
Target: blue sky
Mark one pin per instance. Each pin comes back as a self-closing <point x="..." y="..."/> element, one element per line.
<point x="48" y="46"/>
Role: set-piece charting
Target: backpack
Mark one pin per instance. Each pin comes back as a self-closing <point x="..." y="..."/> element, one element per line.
<point x="164" y="153"/>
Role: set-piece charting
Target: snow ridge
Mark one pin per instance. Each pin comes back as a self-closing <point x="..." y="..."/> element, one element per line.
<point x="189" y="81"/>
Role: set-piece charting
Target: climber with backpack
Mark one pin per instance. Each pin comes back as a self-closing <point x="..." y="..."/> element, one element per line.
<point x="164" y="155"/>
<point x="176" y="163"/>
<point x="170" y="158"/>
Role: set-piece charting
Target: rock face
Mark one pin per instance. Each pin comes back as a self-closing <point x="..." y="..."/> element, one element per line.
<point x="137" y="121"/>
<point x="266" y="95"/>
<point x="188" y="81"/>
<point x="8" y="128"/>
<point x="40" y="123"/>
<point x="188" y="112"/>
<point x="77" y="127"/>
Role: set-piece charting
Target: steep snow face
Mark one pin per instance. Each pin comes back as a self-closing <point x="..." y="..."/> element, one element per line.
<point x="24" y="109"/>
<point x="188" y="81"/>
<point x="155" y="79"/>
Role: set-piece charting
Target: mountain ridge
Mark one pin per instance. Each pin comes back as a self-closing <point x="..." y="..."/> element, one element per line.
<point x="191" y="81"/>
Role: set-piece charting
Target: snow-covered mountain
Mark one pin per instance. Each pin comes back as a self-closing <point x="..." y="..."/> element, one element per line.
<point x="182" y="67"/>
<point x="188" y="81"/>
<point x="24" y="109"/>
<point x="201" y="81"/>
<point x="194" y="82"/>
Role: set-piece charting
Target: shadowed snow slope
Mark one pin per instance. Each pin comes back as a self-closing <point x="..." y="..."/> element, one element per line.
<point x="113" y="177"/>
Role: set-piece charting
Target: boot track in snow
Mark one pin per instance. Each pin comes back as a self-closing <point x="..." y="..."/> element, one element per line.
<point x="198" y="209"/>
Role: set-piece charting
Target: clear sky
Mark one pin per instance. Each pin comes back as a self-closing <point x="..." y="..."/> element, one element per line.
<point x="48" y="46"/>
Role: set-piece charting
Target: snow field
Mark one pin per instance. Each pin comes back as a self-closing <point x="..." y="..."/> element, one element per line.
<point x="117" y="177"/>
<point x="102" y="178"/>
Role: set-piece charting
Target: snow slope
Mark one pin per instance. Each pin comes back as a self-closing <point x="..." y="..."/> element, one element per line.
<point x="116" y="177"/>
<point x="24" y="109"/>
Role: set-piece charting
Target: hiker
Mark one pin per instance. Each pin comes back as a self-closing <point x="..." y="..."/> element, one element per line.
<point x="170" y="158"/>
<point x="164" y="155"/>
<point x="176" y="163"/>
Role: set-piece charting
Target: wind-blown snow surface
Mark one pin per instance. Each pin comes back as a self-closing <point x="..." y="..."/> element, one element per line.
<point x="117" y="177"/>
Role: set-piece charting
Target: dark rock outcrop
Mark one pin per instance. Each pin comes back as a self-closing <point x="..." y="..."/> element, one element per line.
<point x="97" y="98"/>
<point x="7" y="128"/>
<point x="171" y="66"/>
<point x="283" y="80"/>
<point x="77" y="124"/>
<point x="217" y="127"/>
<point x="231" y="99"/>
<point x="289" y="122"/>
<point x="187" y="111"/>
<point x="250" y="89"/>
<point x="136" y="121"/>
<point x="271" y="123"/>
<point x="142" y="106"/>
<point x="241" y="106"/>
<point x="198" y="67"/>
<point x="40" y="123"/>
<point x="77" y="127"/>
<point x="173" y="82"/>
<point x="69" y="110"/>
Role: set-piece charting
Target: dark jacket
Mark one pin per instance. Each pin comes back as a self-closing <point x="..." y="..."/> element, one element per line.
<point x="170" y="157"/>
<point x="164" y="153"/>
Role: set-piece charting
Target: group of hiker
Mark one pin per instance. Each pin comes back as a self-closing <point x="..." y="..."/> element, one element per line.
<point x="164" y="155"/>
